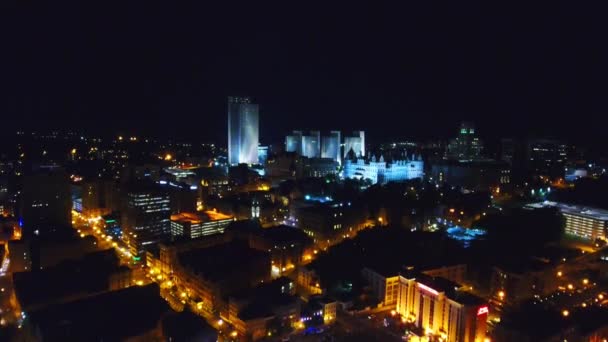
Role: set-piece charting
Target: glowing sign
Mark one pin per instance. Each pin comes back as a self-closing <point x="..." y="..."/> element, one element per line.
<point x="428" y="289"/>
<point x="483" y="310"/>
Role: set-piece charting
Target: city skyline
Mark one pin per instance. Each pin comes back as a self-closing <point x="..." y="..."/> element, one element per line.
<point x="284" y="172"/>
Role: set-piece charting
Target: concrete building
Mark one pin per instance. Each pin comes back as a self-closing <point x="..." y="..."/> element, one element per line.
<point x="194" y="225"/>
<point x="380" y="171"/>
<point x="384" y="279"/>
<point x="243" y="131"/>
<point x="441" y="309"/>
<point x="385" y="285"/>
<point x="477" y="175"/>
<point x="330" y="146"/>
<point x="311" y="145"/>
<point x="145" y="217"/>
<point x="216" y="272"/>
<point x="583" y="222"/>
<point x="328" y="223"/>
<point x="46" y="203"/>
<point x="466" y="146"/>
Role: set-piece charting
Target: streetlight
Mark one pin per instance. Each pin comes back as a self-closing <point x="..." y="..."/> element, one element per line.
<point x="501" y="295"/>
<point x="565" y="313"/>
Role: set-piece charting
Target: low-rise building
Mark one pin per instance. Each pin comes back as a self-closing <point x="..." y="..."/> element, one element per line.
<point x="193" y="225"/>
<point x="211" y="274"/>
<point x="252" y="310"/>
<point x="328" y="223"/>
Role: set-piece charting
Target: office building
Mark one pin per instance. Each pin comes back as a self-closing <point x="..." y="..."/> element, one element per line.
<point x="262" y="155"/>
<point x="361" y="135"/>
<point x="243" y="131"/>
<point x="330" y="146"/>
<point x="314" y="145"/>
<point x="195" y="225"/>
<point x="99" y="197"/>
<point x="329" y="222"/>
<point x="46" y="203"/>
<point x="293" y="142"/>
<point x="311" y="145"/>
<point x="145" y="217"/>
<point x="466" y="146"/>
<point x="384" y="284"/>
<point x="183" y="196"/>
<point x="318" y="167"/>
<point x="214" y="273"/>
<point x="472" y="175"/>
<point x="382" y="172"/>
<point x="586" y="223"/>
<point x="354" y="144"/>
<point x="441" y="309"/>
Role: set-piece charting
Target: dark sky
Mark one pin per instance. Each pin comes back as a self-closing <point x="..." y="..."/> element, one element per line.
<point x="408" y="69"/>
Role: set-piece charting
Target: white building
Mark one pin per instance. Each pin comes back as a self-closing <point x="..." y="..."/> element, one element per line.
<point x="583" y="222"/>
<point x="243" y="131"/>
<point x="380" y="171"/>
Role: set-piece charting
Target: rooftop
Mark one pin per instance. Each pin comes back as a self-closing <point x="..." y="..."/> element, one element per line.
<point x="217" y="262"/>
<point x="109" y="316"/>
<point x="579" y="210"/>
<point x="200" y="217"/>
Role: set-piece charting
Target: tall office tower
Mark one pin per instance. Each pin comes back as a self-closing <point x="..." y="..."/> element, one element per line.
<point x="311" y="145"/>
<point x="145" y="217"/>
<point x="243" y="131"/>
<point x="466" y="146"/>
<point x="330" y="146"/>
<point x="293" y="142"/>
<point x="361" y="134"/>
<point x="354" y="144"/>
<point x="46" y="203"/>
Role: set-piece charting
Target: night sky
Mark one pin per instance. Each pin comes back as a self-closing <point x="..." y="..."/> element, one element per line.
<point x="415" y="70"/>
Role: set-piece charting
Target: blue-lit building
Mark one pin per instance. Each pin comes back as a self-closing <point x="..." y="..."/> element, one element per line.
<point x="293" y="142"/>
<point x="356" y="143"/>
<point x="380" y="171"/>
<point x="262" y="154"/>
<point x="330" y="146"/>
<point x="311" y="145"/>
<point x="243" y="131"/>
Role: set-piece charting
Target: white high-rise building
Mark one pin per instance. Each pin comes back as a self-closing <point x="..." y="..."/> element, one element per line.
<point x="330" y="146"/>
<point x="243" y="131"/>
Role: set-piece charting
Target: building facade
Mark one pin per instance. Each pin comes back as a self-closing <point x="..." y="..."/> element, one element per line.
<point x="380" y="171"/>
<point x="330" y="146"/>
<point x="45" y="203"/>
<point x="195" y="225"/>
<point x="466" y="145"/>
<point x="145" y="218"/>
<point x="440" y="310"/>
<point x="243" y="131"/>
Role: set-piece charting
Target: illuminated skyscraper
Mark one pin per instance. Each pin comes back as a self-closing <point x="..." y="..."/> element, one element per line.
<point x="293" y="142"/>
<point x="330" y="146"/>
<point x="353" y="143"/>
<point x="466" y="146"/>
<point x="311" y="145"/>
<point x="361" y="135"/>
<point x="243" y="131"/>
